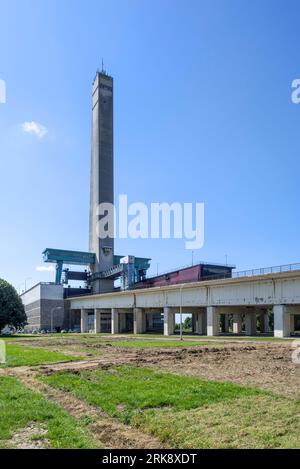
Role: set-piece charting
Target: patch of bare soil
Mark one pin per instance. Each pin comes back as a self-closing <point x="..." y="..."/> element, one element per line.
<point x="264" y="365"/>
<point x="30" y="437"/>
<point x="107" y="431"/>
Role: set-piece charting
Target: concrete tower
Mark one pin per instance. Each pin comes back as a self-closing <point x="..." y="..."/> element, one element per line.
<point x="102" y="175"/>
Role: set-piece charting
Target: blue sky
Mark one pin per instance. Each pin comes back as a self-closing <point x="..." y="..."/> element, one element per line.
<point x="203" y="113"/>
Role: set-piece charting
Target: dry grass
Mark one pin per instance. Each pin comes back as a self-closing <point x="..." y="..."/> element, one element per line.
<point x="247" y="422"/>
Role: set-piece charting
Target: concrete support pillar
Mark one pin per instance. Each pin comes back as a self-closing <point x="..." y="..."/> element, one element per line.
<point x="264" y="323"/>
<point x="84" y="321"/>
<point x="97" y="321"/>
<point x="204" y="323"/>
<point x="139" y="321"/>
<point x="237" y="323"/>
<point x="213" y="321"/>
<point x="282" y="321"/>
<point x="199" y="323"/>
<point x="292" y="323"/>
<point x="250" y="323"/>
<point x="169" y="321"/>
<point x="114" y="321"/>
<point x="194" y="320"/>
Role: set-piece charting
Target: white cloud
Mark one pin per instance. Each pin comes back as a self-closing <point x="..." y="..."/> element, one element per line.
<point x="45" y="268"/>
<point x="34" y="128"/>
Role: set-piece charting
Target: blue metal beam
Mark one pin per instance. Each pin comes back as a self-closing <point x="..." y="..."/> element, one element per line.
<point x="68" y="257"/>
<point x="59" y="268"/>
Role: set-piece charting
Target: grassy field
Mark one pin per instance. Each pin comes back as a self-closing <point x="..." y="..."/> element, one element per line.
<point x="133" y="389"/>
<point x="130" y="336"/>
<point x="17" y="355"/>
<point x="19" y="406"/>
<point x="182" y="411"/>
<point x="186" y="412"/>
<point x="245" y="422"/>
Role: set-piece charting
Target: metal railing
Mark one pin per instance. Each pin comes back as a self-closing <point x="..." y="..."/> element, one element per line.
<point x="268" y="270"/>
<point x="255" y="272"/>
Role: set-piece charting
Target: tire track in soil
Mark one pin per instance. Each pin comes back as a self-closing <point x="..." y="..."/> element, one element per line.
<point x="106" y="431"/>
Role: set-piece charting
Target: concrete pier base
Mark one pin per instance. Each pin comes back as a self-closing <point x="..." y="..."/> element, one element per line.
<point x="115" y="327"/>
<point x="84" y="321"/>
<point x="250" y="323"/>
<point x="213" y="321"/>
<point x="139" y="321"/>
<point x="169" y="321"/>
<point x="264" y="323"/>
<point x="199" y="323"/>
<point x="97" y="321"/>
<point x="237" y="323"/>
<point x="282" y="321"/>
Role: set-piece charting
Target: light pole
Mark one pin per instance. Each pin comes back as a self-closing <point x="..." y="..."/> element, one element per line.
<point x="180" y="311"/>
<point x="51" y="316"/>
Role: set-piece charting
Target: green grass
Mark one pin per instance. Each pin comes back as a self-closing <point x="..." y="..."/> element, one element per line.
<point x="262" y="421"/>
<point x="92" y="337"/>
<point x="186" y="412"/>
<point x="18" y="355"/>
<point x="19" y="406"/>
<point x="125" y="390"/>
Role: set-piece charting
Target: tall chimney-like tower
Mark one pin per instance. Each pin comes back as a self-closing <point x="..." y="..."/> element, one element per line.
<point x="102" y="175"/>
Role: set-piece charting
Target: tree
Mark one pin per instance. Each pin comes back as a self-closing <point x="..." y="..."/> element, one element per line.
<point x="12" y="311"/>
<point x="188" y="323"/>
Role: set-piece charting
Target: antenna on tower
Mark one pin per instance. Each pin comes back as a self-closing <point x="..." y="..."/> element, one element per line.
<point x="103" y="70"/>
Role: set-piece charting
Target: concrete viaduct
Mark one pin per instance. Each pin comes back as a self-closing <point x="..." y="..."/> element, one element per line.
<point x="211" y="304"/>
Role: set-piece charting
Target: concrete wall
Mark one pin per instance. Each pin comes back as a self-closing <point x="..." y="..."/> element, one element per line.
<point x="41" y="302"/>
<point x="243" y="299"/>
<point x="32" y="303"/>
<point x="264" y="290"/>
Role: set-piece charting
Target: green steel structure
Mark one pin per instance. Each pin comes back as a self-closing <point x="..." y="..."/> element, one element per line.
<point x="130" y="272"/>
